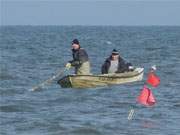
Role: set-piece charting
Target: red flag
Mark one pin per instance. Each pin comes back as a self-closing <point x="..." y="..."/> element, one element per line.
<point x="153" y="79"/>
<point x="146" y="97"/>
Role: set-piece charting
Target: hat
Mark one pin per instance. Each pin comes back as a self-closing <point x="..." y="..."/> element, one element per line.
<point x="115" y="52"/>
<point x="75" y="41"/>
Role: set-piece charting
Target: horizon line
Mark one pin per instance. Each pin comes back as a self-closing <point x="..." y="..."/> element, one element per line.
<point x="85" y="25"/>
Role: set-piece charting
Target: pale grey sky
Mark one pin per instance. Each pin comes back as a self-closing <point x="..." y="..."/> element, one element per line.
<point x="90" y="12"/>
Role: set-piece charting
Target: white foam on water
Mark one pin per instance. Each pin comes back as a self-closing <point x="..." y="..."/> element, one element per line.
<point x="131" y="113"/>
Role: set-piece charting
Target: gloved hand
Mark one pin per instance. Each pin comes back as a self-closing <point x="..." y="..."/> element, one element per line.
<point x="153" y="68"/>
<point x="68" y="65"/>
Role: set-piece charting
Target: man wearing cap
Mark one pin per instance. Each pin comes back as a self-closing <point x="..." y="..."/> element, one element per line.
<point x="80" y="59"/>
<point x="115" y="64"/>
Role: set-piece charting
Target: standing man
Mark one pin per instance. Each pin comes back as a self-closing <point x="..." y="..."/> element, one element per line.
<point x="115" y="64"/>
<point x="80" y="59"/>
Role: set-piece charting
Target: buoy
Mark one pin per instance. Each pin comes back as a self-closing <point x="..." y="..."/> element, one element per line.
<point x="146" y="97"/>
<point x="153" y="79"/>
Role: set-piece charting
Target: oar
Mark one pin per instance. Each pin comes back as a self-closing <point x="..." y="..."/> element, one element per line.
<point x="48" y="81"/>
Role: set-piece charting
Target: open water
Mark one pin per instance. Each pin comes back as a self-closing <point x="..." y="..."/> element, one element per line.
<point x="32" y="54"/>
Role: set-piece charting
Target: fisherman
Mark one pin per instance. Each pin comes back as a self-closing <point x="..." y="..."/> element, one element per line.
<point x="80" y="59"/>
<point x="115" y="64"/>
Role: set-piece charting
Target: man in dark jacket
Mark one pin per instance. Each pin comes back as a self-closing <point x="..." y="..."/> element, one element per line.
<point x="115" y="64"/>
<point x="80" y="59"/>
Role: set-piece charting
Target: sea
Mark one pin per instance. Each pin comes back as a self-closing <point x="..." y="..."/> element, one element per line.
<point x="30" y="55"/>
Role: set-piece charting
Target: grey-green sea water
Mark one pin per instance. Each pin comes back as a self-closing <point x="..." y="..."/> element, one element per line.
<point x="32" y="54"/>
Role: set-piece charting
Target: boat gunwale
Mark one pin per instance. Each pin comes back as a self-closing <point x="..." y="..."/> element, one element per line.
<point x="103" y="75"/>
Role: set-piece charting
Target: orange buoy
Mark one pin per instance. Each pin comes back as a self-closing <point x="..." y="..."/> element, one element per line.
<point x="146" y="97"/>
<point x="153" y="79"/>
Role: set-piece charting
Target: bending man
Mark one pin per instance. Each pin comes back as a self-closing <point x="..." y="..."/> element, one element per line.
<point x="80" y="59"/>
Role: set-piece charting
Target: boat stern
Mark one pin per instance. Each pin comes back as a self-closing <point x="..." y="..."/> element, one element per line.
<point x="65" y="82"/>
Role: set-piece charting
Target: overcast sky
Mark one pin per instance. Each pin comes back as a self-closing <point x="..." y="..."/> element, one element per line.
<point x="90" y="12"/>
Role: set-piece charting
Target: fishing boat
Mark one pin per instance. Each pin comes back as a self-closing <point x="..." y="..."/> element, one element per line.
<point x="90" y="81"/>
